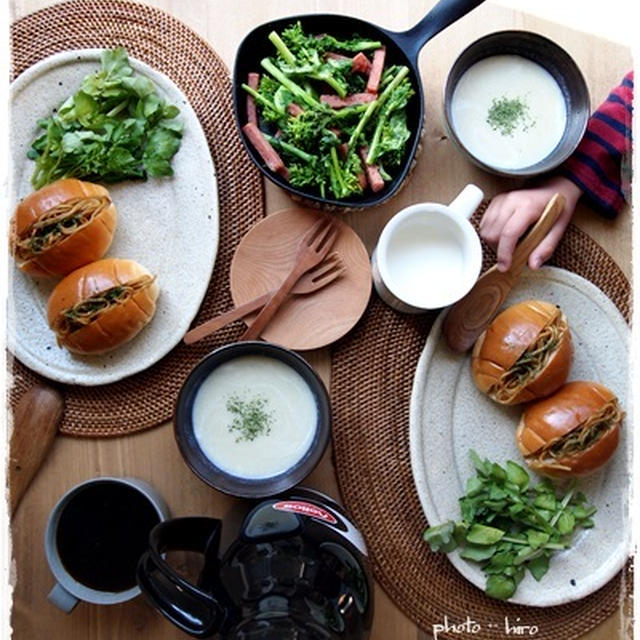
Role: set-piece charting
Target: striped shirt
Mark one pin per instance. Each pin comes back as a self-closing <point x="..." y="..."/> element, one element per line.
<point x="601" y="165"/>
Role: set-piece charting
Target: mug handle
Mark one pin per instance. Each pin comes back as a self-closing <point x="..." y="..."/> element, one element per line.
<point x="62" y="599"/>
<point x="188" y="607"/>
<point x="467" y="201"/>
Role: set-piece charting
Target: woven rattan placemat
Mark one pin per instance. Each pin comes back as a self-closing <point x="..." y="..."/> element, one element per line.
<point x="147" y="399"/>
<point x="371" y="381"/>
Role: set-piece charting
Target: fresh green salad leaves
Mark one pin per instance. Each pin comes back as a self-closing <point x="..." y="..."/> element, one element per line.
<point x="509" y="526"/>
<point x="320" y="115"/>
<point x="115" y="127"/>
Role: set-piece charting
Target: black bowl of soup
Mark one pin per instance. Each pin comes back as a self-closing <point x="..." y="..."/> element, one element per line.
<point x="516" y="103"/>
<point x="252" y="419"/>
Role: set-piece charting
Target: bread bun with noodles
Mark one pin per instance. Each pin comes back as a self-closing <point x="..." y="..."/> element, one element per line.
<point x="102" y="305"/>
<point x="62" y="226"/>
<point x="524" y="354"/>
<point x="571" y="433"/>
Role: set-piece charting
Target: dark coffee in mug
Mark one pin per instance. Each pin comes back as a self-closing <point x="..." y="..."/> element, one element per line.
<point x="102" y="532"/>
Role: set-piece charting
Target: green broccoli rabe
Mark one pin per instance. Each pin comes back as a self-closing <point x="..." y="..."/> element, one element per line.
<point x="320" y="144"/>
<point x="509" y="526"/>
<point x="302" y="44"/>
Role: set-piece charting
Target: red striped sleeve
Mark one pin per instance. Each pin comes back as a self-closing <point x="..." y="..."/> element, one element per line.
<point x="598" y="164"/>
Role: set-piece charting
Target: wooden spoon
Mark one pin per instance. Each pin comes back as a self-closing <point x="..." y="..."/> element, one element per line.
<point x="469" y="317"/>
<point x="35" y="423"/>
<point x="319" y="277"/>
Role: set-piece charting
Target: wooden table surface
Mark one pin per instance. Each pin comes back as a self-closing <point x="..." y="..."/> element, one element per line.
<point x="153" y="455"/>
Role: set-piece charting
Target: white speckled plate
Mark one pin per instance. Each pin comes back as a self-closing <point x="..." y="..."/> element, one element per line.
<point x="449" y="416"/>
<point x="170" y="225"/>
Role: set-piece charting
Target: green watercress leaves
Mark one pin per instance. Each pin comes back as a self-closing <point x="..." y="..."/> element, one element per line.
<point x="115" y="127"/>
<point x="509" y="526"/>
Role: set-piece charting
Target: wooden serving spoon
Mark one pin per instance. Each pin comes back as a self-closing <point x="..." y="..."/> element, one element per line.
<point x="469" y="317"/>
<point x="318" y="278"/>
<point x="35" y="423"/>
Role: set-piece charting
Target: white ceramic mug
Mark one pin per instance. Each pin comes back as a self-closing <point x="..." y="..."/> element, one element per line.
<point x="428" y="255"/>
<point x="68" y="591"/>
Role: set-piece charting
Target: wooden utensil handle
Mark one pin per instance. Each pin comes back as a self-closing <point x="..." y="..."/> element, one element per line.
<point x="237" y="313"/>
<point x="35" y="424"/>
<point x="537" y="233"/>
<point x="273" y="304"/>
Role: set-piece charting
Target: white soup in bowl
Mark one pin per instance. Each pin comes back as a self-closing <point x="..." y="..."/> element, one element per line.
<point x="508" y="111"/>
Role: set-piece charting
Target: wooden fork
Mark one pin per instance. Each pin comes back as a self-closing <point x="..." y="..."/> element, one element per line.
<point x="313" y="247"/>
<point x="325" y="273"/>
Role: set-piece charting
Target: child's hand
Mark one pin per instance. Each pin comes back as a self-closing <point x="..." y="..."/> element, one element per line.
<point x="509" y="215"/>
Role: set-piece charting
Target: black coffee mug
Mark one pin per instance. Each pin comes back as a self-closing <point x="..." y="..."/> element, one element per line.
<point x="95" y="536"/>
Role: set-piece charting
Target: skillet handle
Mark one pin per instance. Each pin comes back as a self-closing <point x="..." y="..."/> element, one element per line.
<point x="443" y="14"/>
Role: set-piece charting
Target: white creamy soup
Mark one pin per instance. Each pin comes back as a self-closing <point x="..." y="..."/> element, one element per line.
<point x="254" y="417"/>
<point x="508" y="111"/>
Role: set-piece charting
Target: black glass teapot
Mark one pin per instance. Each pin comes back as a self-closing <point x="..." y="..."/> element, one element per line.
<point x="297" y="570"/>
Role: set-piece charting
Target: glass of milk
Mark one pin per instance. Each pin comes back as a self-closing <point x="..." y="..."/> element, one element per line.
<point x="428" y="255"/>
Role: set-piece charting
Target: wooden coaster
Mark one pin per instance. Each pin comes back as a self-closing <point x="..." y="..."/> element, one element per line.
<point x="263" y="260"/>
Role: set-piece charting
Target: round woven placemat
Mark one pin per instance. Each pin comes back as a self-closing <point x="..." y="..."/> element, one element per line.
<point x="371" y="381"/>
<point x="147" y="399"/>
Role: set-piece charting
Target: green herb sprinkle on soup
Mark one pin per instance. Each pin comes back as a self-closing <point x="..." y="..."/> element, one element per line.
<point x="254" y="417"/>
<point x="508" y="111"/>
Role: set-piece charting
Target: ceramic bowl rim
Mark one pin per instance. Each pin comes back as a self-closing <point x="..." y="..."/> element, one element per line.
<point x="577" y="87"/>
<point x="206" y="470"/>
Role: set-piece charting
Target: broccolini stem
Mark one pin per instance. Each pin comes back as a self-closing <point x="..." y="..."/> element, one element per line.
<point x="375" y="141"/>
<point x="261" y="99"/>
<point x="376" y="104"/>
<point x="331" y="81"/>
<point x="282" y="48"/>
<point x="371" y="107"/>
<point x="338" y="172"/>
<point x="285" y="146"/>
<point x="268" y="66"/>
<point x="400" y="76"/>
<point x="349" y="111"/>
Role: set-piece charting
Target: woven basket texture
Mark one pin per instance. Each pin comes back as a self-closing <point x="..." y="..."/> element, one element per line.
<point x="371" y="381"/>
<point x="147" y="399"/>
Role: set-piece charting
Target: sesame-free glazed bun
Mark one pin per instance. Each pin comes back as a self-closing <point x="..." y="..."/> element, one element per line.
<point x="62" y="226"/>
<point x="524" y="354"/>
<point x="571" y="433"/>
<point x="102" y="305"/>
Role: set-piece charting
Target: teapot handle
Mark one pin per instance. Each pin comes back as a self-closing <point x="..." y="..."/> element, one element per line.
<point x="193" y="610"/>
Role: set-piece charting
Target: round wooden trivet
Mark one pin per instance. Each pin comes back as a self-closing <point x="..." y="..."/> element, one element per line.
<point x="147" y="399"/>
<point x="371" y="381"/>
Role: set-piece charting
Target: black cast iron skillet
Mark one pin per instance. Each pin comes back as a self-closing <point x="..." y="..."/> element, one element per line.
<point x="402" y="48"/>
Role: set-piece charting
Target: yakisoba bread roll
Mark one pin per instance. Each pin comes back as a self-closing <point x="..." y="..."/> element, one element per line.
<point x="524" y="354"/>
<point x="571" y="433"/>
<point x="61" y="227"/>
<point x="102" y="305"/>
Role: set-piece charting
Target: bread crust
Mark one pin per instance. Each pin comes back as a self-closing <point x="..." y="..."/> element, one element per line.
<point x="117" y="324"/>
<point x="88" y="243"/>
<point x="508" y="337"/>
<point x="548" y="420"/>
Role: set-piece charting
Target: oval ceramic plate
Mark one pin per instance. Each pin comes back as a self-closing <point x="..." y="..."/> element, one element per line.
<point x="265" y="256"/>
<point x="170" y="225"/>
<point x="449" y="416"/>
